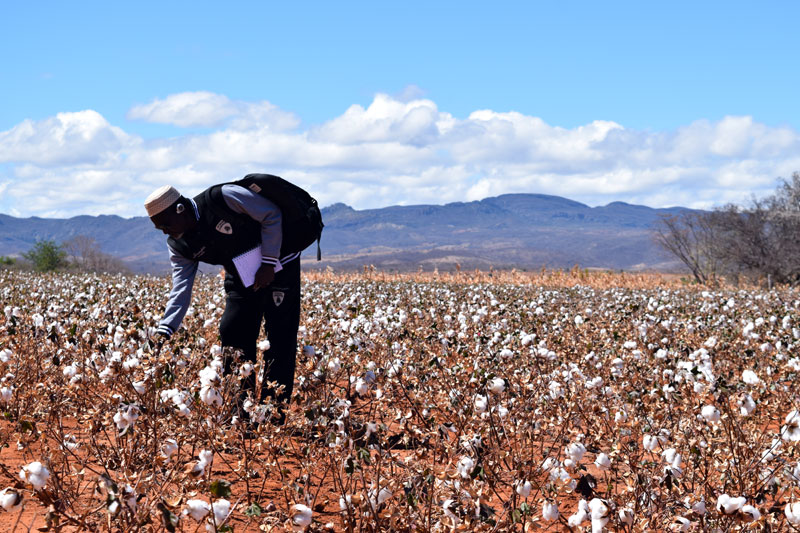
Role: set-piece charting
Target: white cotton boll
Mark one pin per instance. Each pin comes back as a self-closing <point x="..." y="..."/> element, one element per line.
<point x="750" y="377"/>
<point x="602" y="462"/>
<point x="206" y="456"/>
<point x="465" y="466"/>
<point x="6" y="393"/>
<point x="699" y="507"/>
<point x="334" y="365"/>
<point x="681" y="524"/>
<point x="10" y="499"/>
<point x="496" y="385"/>
<point x="626" y="515"/>
<point x="70" y="370"/>
<point x="751" y="511"/>
<point x="361" y="387"/>
<point x="649" y="442"/>
<point x="221" y="510"/>
<point x="126" y="417"/>
<point x="550" y="511"/>
<point x="620" y="417"/>
<point x="710" y="413"/>
<point x="5" y="355"/>
<point x="216" y="350"/>
<point x="301" y="516"/>
<point x="168" y="448"/>
<point x="209" y="376"/>
<point x="197" y="509"/>
<point x="575" y="450"/>
<point x="246" y="369"/>
<point x="138" y="386"/>
<point x="729" y="505"/>
<point x="523" y="488"/>
<point x="556" y="391"/>
<point x="791" y="431"/>
<point x="710" y="342"/>
<point x="792" y="512"/>
<point x="581" y="515"/>
<point x="36" y="474"/>
<point x="506" y="353"/>
<point x="746" y="405"/>
<point x="578" y="320"/>
<point x="383" y="495"/>
<point x="481" y="403"/>
<point x="599" y="514"/>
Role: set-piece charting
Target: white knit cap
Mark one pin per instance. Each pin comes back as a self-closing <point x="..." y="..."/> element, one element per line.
<point x="160" y="199"/>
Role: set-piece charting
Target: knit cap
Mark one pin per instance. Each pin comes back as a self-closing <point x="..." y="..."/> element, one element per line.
<point x="160" y="199"/>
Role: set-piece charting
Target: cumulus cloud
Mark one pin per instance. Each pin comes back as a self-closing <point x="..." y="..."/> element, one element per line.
<point x="205" y="110"/>
<point x="396" y="150"/>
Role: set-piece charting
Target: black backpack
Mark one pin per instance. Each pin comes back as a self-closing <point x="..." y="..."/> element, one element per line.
<point x="301" y="220"/>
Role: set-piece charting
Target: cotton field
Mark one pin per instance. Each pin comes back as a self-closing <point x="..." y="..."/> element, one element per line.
<point x="471" y="403"/>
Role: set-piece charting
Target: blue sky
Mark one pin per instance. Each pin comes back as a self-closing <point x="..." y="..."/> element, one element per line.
<point x="701" y="91"/>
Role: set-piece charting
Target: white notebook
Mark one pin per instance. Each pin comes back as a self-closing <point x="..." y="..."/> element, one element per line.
<point x="248" y="263"/>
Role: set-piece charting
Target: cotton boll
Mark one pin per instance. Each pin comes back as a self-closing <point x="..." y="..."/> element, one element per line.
<point x="10" y="499"/>
<point x="361" y="387"/>
<point x="6" y="393"/>
<point x="221" y="509"/>
<point x="626" y="515"/>
<point x="792" y="512"/>
<point x="465" y="466"/>
<point x="168" y="448"/>
<point x="575" y="450"/>
<point x="301" y="516"/>
<point x="550" y="511"/>
<point x="750" y="377"/>
<point x="581" y="515"/>
<point x="620" y="417"/>
<point x="791" y="431"/>
<point x="602" y="462"/>
<point x="245" y="370"/>
<point x="681" y="524"/>
<point x="746" y="405"/>
<point x="496" y="386"/>
<point x="649" y="442"/>
<point x="197" y="509"/>
<point x="729" y="505"/>
<point x="751" y="511"/>
<point x="523" y="488"/>
<point x="710" y="413"/>
<point x="481" y="403"/>
<point x="211" y="396"/>
<point x="36" y="474"/>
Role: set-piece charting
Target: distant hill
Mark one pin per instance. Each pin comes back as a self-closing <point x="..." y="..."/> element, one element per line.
<point x="525" y="231"/>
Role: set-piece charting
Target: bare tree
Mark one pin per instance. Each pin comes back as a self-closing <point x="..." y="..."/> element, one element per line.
<point x="689" y="236"/>
<point x="85" y="253"/>
<point x="761" y="242"/>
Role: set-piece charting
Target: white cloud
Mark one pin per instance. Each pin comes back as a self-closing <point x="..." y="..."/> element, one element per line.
<point x="206" y="110"/>
<point x="397" y="150"/>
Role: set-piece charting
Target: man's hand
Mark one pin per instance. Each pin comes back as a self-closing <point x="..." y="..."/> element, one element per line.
<point x="264" y="276"/>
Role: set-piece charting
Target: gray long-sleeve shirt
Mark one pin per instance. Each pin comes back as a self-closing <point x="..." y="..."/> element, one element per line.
<point x="184" y="270"/>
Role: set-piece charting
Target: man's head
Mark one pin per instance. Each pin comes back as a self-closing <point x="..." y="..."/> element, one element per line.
<point x="170" y="212"/>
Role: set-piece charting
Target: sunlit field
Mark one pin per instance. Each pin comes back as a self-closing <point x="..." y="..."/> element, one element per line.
<point x="467" y="401"/>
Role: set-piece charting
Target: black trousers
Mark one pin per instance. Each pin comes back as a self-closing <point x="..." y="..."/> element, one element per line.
<point x="279" y="305"/>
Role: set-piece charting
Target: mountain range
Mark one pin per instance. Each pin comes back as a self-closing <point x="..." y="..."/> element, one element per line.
<point x="523" y="231"/>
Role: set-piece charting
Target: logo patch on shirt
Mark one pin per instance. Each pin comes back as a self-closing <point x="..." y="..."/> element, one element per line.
<point x="277" y="297"/>
<point x="255" y="188"/>
<point x="224" y="227"/>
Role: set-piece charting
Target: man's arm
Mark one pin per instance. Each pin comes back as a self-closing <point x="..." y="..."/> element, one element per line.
<point x="183" y="274"/>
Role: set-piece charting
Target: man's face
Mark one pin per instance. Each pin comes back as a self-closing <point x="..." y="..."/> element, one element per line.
<point x="171" y="223"/>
